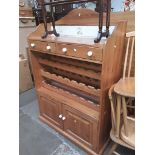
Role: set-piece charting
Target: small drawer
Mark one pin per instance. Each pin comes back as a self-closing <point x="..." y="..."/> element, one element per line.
<point x="80" y="51"/>
<point x="42" y="46"/>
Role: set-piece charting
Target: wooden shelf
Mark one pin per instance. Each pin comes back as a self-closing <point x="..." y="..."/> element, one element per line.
<point x="72" y="69"/>
<point x="72" y="83"/>
<point x="87" y="102"/>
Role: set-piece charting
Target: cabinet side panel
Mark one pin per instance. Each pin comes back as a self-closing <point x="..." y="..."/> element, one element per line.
<point x="35" y="69"/>
<point x="111" y="73"/>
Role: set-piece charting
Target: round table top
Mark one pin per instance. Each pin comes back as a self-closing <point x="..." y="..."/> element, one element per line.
<point x="125" y="87"/>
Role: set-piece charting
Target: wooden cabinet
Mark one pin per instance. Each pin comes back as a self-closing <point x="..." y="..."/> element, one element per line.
<point x="73" y="85"/>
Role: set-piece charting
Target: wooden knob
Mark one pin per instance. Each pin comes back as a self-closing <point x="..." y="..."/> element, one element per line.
<point x="63" y="118"/>
<point x="32" y="45"/>
<point x="60" y="116"/>
<point x="48" y="47"/>
<point x="75" y="121"/>
<point x="64" y="50"/>
<point x="74" y="49"/>
<point x="90" y="53"/>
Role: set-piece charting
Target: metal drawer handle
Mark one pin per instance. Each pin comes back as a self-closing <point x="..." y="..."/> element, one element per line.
<point x="64" y="50"/>
<point x="90" y="53"/>
<point x="32" y="45"/>
<point x="63" y="118"/>
<point x="48" y="47"/>
<point x="60" y="116"/>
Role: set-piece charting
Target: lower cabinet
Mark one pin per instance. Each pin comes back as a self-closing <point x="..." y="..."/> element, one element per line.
<point x="73" y="122"/>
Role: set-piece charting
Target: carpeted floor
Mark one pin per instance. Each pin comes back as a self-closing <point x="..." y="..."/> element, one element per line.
<point x="36" y="138"/>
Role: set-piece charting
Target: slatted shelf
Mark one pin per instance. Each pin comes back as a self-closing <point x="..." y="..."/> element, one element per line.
<point x="72" y="69"/>
<point x="85" y="99"/>
<point x="71" y="83"/>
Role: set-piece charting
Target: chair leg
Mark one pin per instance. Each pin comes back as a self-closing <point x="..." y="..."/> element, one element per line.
<point x="113" y="148"/>
<point x="124" y="115"/>
<point x="118" y="113"/>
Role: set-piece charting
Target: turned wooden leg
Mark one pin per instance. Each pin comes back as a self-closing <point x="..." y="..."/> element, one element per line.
<point x="118" y="113"/>
<point x="124" y="115"/>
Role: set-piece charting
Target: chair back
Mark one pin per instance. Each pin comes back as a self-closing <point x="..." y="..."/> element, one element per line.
<point x="129" y="54"/>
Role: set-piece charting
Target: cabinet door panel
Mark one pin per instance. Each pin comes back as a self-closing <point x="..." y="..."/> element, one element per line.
<point x="51" y="109"/>
<point x="79" y="126"/>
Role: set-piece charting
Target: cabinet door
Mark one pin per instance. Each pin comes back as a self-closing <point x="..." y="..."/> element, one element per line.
<point x="50" y="109"/>
<point x="80" y="126"/>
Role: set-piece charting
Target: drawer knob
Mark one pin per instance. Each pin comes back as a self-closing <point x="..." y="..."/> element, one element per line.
<point x="60" y="116"/>
<point x="32" y="45"/>
<point x="48" y="47"/>
<point x="63" y="118"/>
<point x="64" y="50"/>
<point x="90" y="53"/>
<point x="74" y="49"/>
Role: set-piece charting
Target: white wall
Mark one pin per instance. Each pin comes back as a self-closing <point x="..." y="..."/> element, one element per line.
<point x="117" y="5"/>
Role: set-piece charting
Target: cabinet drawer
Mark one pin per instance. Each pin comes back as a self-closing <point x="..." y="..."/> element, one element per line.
<point x="80" y="51"/>
<point x="51" y="110"/>
<point x="80" y="126"/>
<point x="42" y="46"/>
